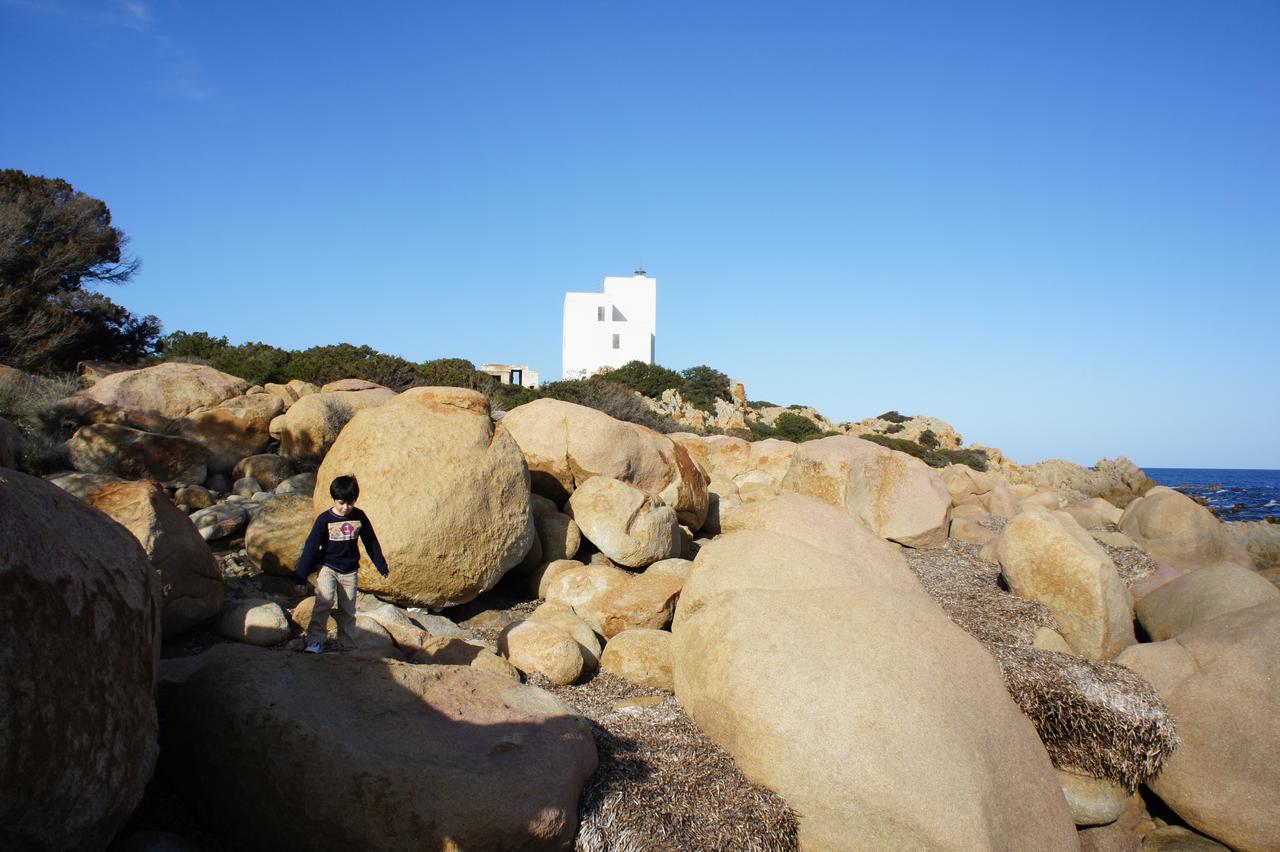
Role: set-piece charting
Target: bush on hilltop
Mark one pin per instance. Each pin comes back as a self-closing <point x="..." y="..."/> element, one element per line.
<point x="260" y="363"/>
<point x="699" y="386"/>
<point x="932" y="456"/>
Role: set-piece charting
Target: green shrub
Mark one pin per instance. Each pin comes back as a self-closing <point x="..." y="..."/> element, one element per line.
<point x="758" y="404"/>
<point x="703" y="385"/>
<point x="894" y="428"/>
<point x="611" y="398"/>
<point x="198" y="345"/>
<point x="928" y="439"/>
<point x="795" y="427"/>
<point x="649" y="379"/>
<point x="893" y="417"/>
<point x="260" y="363"/>
<point x="932" y="456"/>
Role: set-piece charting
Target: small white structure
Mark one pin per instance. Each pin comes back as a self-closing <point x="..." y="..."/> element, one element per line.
<point x="512" y="374"/>
<point x="610" y="328"/>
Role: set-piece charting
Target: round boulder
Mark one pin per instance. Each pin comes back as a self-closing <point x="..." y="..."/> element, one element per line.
<point x="642" y="656"/>
<point x="153" y="397"/>
<point x="1221" y="681"/>
<point x="233" y="429"/>
<point x="133" y="454"/>
<point x="274" y="539"/>
<point x="190" y="580"/>
<point x="567" y="444"/>
<point x="877" y="719"/>
<point x="1050" y="558"/>
<point x="1201" y="596"/>
<point x="898" y="496"/>
<point x="308" y="429"/>
<point x="1180" y="532"/>
<point x="537" y="647"/>
<point x="79" y="639"/>
<point x="563" y="617"/>
<point x="447" y="495"/>
<point x="628" y="525"/>
<point x="255" y="622"/>
<point x="267" y="468"/>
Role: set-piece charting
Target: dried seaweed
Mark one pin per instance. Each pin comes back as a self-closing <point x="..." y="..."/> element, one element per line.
<point x="662" y="783"/>
<point x="1093" y="716"/>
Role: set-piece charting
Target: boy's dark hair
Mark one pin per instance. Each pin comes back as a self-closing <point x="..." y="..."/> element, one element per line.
<point x="344" y="489"/>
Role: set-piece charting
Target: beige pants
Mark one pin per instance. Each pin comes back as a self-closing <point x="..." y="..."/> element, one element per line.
<point x="331" y="584"/>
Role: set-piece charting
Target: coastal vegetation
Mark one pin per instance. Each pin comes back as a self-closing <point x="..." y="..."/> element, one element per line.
<point x="55" y="243"/>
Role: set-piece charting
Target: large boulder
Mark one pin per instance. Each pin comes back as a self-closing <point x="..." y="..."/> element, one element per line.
<point x="1050" y="558"/>
<point x="79" y="638"/>
<point x="133" y="454"/>
<point x="273" y="541"/>
<point x="1180" y="532"/>
<point x="773" y="561"/>
<point x="1221" y="681"/>
<point x="1201" y="596"/>
<point x="308" y="429"/>
<point x="1118" y="481"/>
<point x="190" y="580"/>
<point x="233" y="429"/>
<point x="739" y="469"/>
<point x="882" y="723"/>
<point x="375" y="754"/>
<point x="447" y="494"/>
<point x="826" y="528"/>
<point x="154" y="398"/>
<point x="567" y="444"/>
<point x="1261" y="540"/>
<point x="628" y="525"/>
<point x="899" y="497"/>
<point x="969" y="487"/>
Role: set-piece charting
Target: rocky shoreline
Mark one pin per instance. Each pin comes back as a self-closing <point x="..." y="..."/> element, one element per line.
<point x="598" y="636"/>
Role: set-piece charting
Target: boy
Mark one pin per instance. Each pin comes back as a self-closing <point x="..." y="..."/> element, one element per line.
<point x="332" y="542"/>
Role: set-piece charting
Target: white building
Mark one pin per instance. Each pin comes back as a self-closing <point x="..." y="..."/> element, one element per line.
<point x="512" y="374"/>
<point x="610" y="328"/>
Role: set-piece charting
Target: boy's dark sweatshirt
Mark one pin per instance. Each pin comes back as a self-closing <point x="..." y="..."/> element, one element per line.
<point x="332" y="542"/>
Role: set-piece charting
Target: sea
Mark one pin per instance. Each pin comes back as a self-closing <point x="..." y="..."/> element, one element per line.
<point x="1233" y="495"/>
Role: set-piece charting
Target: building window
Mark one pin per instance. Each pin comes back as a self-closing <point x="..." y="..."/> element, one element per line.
<point x="617" y="341"/>
<point x="600" y="314"/>
<point x="517" y="378"/>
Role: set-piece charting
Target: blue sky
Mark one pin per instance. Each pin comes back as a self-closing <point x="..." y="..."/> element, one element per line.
<point x="1055" y="226"/>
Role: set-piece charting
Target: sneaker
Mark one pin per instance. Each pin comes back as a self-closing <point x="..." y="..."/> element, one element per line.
<point x="314" y="648"/>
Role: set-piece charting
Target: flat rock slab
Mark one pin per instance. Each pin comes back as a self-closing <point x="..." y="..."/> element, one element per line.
<point x="336" y="752"/>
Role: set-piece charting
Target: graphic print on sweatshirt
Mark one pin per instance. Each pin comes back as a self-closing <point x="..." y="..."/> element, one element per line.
<point x="343" y="530"/>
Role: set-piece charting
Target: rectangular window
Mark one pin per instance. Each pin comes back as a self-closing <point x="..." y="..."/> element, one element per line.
<point x="600" y="314"/>
<point x="517" y="378"/>
<point x="617" y="341"/>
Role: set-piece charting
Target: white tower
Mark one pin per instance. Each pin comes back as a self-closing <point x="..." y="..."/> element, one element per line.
<point x="610" y="328"/>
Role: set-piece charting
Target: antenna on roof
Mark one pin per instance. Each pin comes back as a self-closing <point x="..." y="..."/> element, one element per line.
<point x="639" y="270"/>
